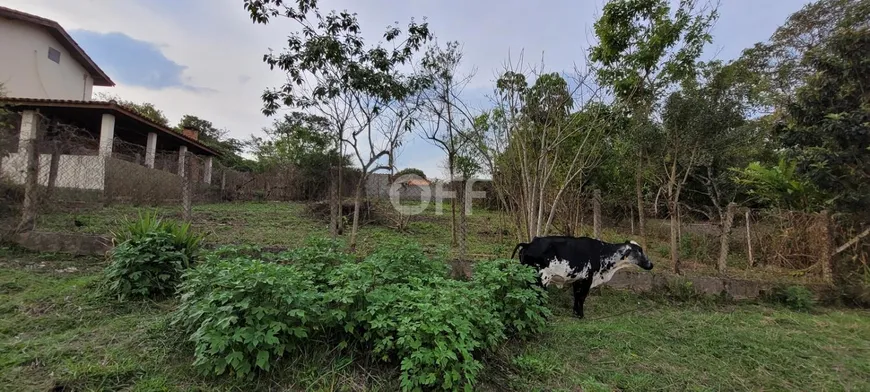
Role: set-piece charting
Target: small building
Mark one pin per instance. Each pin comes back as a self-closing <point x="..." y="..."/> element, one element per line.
<point x="47" y="80"/>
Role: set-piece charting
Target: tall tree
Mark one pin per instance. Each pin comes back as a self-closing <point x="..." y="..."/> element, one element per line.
<point x="332" y="71"/>
<point x="827" y="131"/>
<point x="695" y="120"/>
<point x="535" y="148"/>
<point x="779" y="63"/>
<point x="644" y="47"/>
<point x="443" y="106"/>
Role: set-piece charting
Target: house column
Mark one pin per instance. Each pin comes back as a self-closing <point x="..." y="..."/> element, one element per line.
<point x="206" y="172"/>
<point x="27" y="133"/>
<point x="182" y="159"/>
<point x="150" y="150"/>
<point x="107" y="135"/>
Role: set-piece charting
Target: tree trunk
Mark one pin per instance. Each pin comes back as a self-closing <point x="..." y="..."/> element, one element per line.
<point x="596" y="214"/>
<point x="675" y="254"/>
<point x="638" y="187"/>
<point x="356" y="204"/>
<point x="53" y="167"/>
<point x="724" y="236"/>
<point x="453" y="209"/>
<point x="334" y="207"/>
<point x="631" y="218"/>
<point x="463" y="221"/>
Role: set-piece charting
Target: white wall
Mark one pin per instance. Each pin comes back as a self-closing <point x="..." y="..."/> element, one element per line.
<point x="73" y="171"/>
<point x="27" y="72"/>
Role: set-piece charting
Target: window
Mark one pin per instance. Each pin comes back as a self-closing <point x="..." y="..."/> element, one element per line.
<point x="54" y="55"/>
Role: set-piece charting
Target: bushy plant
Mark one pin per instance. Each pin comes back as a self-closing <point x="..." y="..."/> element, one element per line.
<point x="432" y="331"/>
<point x="245" y="314"/>
<point x="245" y="310"/>
<point x="794" y="297"/>
<point x="149" y="257"/>
<point x="511" y="287"/>
<point x="350" y="283"/>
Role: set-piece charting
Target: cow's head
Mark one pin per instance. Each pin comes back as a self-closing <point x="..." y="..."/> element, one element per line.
<point x="634" y="254"/>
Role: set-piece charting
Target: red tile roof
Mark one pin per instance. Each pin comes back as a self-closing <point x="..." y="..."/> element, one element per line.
<point x="100" y="77"/>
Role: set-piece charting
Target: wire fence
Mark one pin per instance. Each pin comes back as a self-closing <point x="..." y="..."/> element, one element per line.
<point x="59" y="171"/>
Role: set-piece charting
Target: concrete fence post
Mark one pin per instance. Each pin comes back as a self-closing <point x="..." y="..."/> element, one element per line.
<point x="749" y="241"/>
<point x="28" y="139"/>
<point x="826" y="256"/>
<point x="725" y="236"/>
<point x="596" y="214"/>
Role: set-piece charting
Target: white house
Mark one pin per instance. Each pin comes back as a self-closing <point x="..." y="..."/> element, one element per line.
<point x="48" y="79"/>
<point x="38" y="59"/>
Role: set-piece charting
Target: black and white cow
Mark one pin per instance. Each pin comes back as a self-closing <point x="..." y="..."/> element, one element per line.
<point x="582" y="262"/>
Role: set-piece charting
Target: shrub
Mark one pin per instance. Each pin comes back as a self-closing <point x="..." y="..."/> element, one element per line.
<point x="433" y="331"/>
<point x="794" y="297"/>
<point x="350" y="283"/>
<point x="511" y="287"/>
<point x="149" y="257"/>
<point x="245" y="314"/>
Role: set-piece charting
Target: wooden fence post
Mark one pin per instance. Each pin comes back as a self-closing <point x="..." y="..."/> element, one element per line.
<point x="749" y="241"/>
<point x="724" y="237"/>
<point x="596" y="214"/>
<point x="826" y="256"/>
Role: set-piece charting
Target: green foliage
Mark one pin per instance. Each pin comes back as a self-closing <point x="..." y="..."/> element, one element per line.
<point x="230" y="149"/>
<point x="827" y="132"/>
<point x="145" y="109"/>
<point x="512" y="289"/>
<point x="794" y="297"/>
<point x="244" y="314"/>
<point x="410" y="170"/>
<point x="305" y="144"/>
<point x="244" y="311"/>
<point x="779" y="186"/>
<point x="433" y="331"/>
<point x="150" y="256"/>
<point x="643" y="45"/>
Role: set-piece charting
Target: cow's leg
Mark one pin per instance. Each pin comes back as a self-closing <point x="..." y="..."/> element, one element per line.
<point x="581" y="290"/>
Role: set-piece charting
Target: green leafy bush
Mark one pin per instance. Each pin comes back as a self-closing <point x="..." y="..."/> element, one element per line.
<point x="511" y="287"/>
<point x="794" y="297"/>
<point x="244" y="314"/>
<point x="350" y="283"/>
<point x="244" y="310"/>
<point x="149" y="257"/>
<point x="432" y="331"/>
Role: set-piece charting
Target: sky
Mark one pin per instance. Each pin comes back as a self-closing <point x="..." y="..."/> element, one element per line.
<point x="204" y="57"/>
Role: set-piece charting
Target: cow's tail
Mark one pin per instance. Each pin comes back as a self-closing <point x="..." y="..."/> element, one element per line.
<point x="518" y="247"/>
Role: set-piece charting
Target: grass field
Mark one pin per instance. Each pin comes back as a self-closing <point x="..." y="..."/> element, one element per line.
<point x="55" y="331"/>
